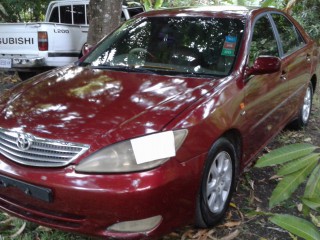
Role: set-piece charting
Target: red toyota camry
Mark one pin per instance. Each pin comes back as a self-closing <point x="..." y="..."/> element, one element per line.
<point x="150" y="130"/>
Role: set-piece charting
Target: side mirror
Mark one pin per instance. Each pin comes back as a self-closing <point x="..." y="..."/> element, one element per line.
<point x="264" y="65"/>
<point x="86" y="49"/>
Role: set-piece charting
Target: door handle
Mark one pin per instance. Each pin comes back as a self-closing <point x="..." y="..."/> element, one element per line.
<point x="283" y="76"/>
<point x="308" y="57"/>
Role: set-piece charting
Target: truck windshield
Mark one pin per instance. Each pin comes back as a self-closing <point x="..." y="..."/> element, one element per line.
<point x="174" y="45"/>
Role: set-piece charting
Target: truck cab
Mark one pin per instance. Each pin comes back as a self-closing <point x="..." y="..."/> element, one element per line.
<point x="59" y="40"/>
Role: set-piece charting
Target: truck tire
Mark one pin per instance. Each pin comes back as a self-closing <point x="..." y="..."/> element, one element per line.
<point x="25" y="75"/>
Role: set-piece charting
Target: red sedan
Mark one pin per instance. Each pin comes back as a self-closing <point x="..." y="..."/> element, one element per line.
<point x="150" y="131"/>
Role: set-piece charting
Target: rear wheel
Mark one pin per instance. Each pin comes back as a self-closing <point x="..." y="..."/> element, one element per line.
<point x="217" y="185"/>
<point x="305" y="109"/>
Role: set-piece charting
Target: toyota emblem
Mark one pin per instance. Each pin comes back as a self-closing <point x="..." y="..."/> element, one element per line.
<point x="24" y="141"/>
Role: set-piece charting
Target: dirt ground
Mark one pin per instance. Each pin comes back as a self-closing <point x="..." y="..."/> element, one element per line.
<point x="254" y="189"/>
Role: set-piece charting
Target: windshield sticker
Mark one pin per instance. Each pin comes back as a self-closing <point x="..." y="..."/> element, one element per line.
<point x="229" y="46"/>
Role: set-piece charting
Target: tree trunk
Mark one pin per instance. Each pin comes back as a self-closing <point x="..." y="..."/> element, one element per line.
<point x="104" y="17"/>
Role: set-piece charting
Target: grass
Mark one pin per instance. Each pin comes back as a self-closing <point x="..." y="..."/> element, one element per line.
<point x="15" y="228"/>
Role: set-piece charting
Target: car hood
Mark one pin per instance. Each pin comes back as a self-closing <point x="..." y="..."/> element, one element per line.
<point x="89" y="105"/>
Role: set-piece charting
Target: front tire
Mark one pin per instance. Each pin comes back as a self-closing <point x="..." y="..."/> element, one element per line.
<point x="217" y="184"/>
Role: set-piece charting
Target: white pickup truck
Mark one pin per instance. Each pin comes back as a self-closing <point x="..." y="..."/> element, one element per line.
<point x="30" y="47"/>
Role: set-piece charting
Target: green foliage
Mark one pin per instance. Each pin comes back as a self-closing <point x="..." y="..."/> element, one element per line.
<point x="307" y="13"/>
<point x="291" y="182"/>
<point x="297" y="226"/>
<point x="313" y="203"/>
<point x="312" y="189"/>
<point x="274" y="3"/>
<point x="285" y="154"/>
<point x="298" y="162"/>
<point x="22" y="11"/>
<point x="301" y="161"/>
<point x="152" y="4"/>
<point x="155" y="4"/>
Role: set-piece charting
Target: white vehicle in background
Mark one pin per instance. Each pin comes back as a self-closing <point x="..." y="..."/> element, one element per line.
<point x="34" y="47"/>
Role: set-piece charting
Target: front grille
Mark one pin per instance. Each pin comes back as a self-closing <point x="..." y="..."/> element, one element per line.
<point x="30" y="150"/>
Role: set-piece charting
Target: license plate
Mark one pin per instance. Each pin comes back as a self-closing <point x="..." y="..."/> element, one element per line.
<point x="5" y="63"/>
<point x="44" y="194"/>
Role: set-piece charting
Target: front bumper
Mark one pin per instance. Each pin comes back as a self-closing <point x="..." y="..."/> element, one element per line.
<point x="90" y="204"/>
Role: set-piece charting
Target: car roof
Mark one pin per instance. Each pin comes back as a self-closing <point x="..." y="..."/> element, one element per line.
<point x="205" y="11"/>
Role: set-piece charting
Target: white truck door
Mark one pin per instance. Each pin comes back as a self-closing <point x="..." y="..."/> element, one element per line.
<point x="69" y="35"/>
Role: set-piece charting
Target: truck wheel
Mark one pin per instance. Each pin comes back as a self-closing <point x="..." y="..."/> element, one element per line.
<point x="217" y="184"/>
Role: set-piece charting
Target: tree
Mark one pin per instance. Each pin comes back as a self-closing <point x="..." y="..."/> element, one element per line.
<point x="307" y="13"/>
<point x="104" y="17"/>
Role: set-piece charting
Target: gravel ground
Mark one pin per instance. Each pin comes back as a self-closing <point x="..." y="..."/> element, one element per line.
<point x="8" y="80"/>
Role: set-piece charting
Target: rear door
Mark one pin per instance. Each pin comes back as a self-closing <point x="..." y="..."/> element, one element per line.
<point x="296" y="60"/>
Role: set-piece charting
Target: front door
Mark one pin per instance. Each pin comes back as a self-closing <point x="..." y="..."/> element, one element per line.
<point x="265" y="95"/>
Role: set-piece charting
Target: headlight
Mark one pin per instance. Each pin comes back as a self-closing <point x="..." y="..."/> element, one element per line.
<point x="136" y="154"/>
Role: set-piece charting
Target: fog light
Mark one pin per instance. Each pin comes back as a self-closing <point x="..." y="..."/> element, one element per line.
<point x="143" y="225"/>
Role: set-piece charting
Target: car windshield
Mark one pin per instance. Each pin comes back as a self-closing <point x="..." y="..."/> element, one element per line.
<point x="171" y="45"/>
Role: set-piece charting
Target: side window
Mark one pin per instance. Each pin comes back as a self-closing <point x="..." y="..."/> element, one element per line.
<point x="54" y="17"/>
<point x="291" y="39"/>
<point x="263" y="40"/>
<point x="79" y="14"/>
<point x="65" y="14"/>
<point x="134" y="11"/>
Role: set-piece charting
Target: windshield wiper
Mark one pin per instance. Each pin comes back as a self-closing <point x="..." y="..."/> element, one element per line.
<point x="159" y="67"/>
<point x="124" y="68"/>
<point x="119" y="68"/>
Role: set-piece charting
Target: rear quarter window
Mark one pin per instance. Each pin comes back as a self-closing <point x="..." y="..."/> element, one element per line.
<point x="290" y="37"/>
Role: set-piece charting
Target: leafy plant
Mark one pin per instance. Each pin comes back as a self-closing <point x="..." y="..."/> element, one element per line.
<point x="298" y="163"/>
<point x="152" y="4"/>
<point x="307" y="13"/>
<point x="22" y="11"/>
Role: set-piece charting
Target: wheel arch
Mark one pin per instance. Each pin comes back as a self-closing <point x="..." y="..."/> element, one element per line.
<point x="234" y="136"/>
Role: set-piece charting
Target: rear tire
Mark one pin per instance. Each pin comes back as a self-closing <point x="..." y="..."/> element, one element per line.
<point x="305" y="110"/>
<point x="217" y="184"/>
